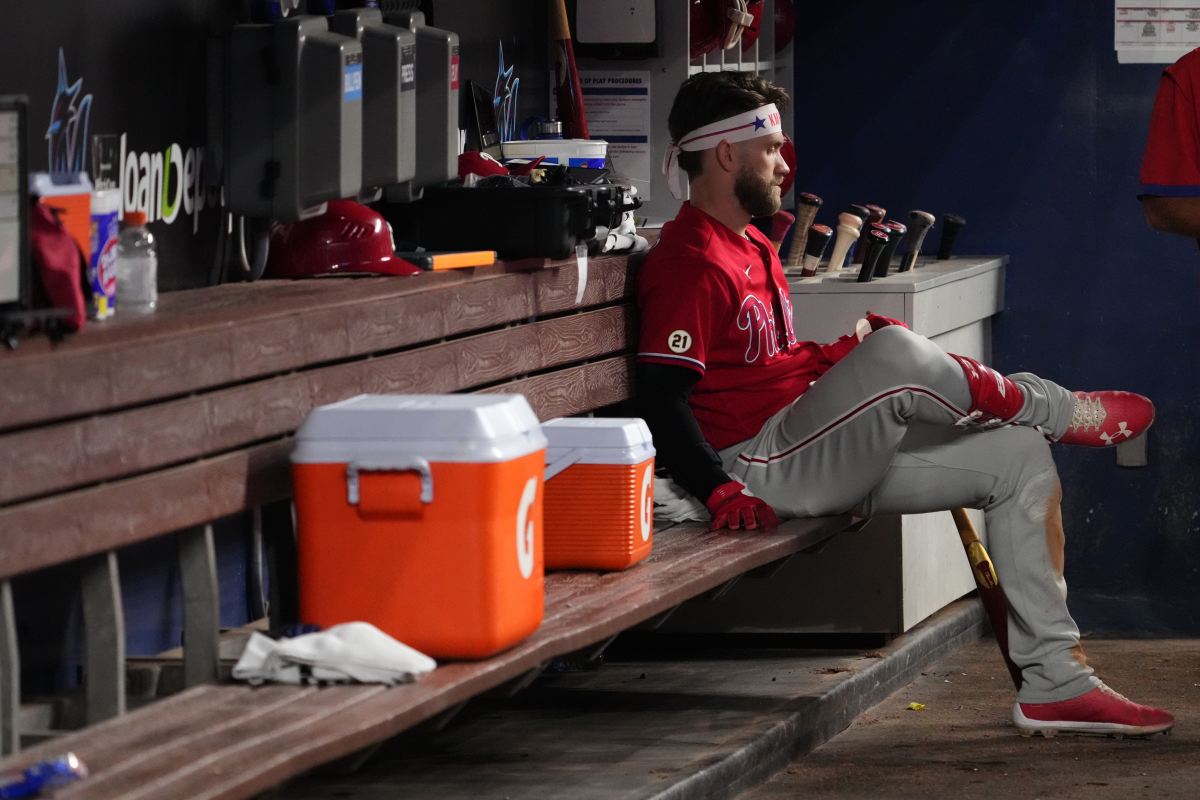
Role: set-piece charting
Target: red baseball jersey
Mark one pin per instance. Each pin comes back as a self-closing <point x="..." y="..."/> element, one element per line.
<point x="1171" y="164"/>
<point x="717" y="303"/>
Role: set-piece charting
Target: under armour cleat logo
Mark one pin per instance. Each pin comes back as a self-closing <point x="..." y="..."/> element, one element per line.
<point x="1122" y="430"/>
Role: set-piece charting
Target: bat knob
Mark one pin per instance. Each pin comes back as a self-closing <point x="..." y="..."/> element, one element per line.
<point x="951" y="225"/>
<point x="876" y="240"/>
<point x="896" y="231"/>
<point x="850" y="220"/>
<point x="807" y="205"/>
<point x="818" y="239"/>
<point x="814" y="248"/>
<point x="874" y="214"/>
<point x="919" y="223"/>
<point x="809" y="199"/>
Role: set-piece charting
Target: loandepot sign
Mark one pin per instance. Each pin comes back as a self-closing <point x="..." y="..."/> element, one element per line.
<point x="163" y="184"/>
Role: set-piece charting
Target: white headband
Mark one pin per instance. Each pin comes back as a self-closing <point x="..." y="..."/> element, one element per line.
<point x="761" y="121"/>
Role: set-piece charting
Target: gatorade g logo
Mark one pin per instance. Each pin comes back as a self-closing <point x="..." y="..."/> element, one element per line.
<point x="525" y="529"/>
<point x="647" y="501"/>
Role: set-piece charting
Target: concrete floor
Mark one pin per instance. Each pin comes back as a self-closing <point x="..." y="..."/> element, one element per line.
<point x="665" y="720"/>
<point x="728" y="722"/>
<point x="963" y="745"/>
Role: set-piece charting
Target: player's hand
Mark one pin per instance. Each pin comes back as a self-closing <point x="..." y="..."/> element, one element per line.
<point x="873" y="322"/>
<point x="877" y="321"/>
<point x="732" y="507"/>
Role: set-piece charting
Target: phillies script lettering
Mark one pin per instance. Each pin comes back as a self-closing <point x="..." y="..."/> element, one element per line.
<point x="759" y="324"/>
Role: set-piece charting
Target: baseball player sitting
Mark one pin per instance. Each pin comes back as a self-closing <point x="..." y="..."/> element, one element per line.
<point x="759" y="425"/>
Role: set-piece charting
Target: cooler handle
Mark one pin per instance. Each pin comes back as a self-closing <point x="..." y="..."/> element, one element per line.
<point x="414" y="464"/>
<point x="568" y="458"/>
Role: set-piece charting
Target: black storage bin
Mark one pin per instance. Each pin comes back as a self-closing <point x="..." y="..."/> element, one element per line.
<point x="515" y="221"/>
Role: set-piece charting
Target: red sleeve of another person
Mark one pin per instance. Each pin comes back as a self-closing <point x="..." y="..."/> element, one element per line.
<point x="1171" y="164"/>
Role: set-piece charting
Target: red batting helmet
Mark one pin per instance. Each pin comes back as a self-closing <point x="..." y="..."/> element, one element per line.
<point x="348" y="238"/>
<point x="717" y="24"/>
<point x="750" y="35"/>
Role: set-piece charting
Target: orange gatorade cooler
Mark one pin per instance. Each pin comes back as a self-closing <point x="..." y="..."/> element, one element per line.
<point x="599" y="493"/>
<point x="422" y="514"/>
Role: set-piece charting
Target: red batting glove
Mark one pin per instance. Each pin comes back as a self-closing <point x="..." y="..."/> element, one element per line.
<point x="731" y="507"/>
<point x="877" y="321"/>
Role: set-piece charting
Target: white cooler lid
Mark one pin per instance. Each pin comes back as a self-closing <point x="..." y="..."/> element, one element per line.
<point x="599" y="440"/>
<point x="483" y="428"/>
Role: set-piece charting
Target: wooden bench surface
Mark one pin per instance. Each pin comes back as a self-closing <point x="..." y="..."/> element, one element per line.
<point x="198" y="403"/>
<point x="233" y="741"/>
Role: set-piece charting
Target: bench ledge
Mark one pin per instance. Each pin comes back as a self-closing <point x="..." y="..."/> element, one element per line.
<point x="230" y="741"/>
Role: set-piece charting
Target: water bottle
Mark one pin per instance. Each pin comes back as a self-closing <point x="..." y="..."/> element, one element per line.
<point x="137" y="266"/>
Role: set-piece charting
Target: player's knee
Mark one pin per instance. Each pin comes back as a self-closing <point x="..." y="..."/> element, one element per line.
<point x="1028" y="456"/>
<point x="895" y="345"/>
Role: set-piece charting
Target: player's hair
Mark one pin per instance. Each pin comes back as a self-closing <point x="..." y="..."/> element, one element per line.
<point x="710" y="96"/>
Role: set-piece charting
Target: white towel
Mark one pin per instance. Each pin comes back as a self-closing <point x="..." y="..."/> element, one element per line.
<point x="673" y="503"/>
<point x="353" y="652"/>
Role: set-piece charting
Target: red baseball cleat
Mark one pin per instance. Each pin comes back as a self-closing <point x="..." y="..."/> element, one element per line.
<point x="1100" y="711"/>
<point x="1104" y="419"/>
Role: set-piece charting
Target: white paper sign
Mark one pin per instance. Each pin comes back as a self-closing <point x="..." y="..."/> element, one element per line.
<point x="617" y="103"/>
<point x="1155" y="31"/>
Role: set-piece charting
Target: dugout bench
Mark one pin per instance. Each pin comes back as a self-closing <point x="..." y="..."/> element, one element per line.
<point x="141" y="428"/>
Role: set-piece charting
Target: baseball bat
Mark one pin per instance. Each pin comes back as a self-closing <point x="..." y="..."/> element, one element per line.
<point x="919" y="223"/>
<point x="781" y="223"/>
<point x="847" y="234"/>
<point x="814" y="248"/>
<point x="995" y="602"/>
<point x="863" y="215"/>
<point x="951" y="225"/>
<point x="876" y="243"/>
<point x="567" y="90"/>
<point x="806" y="214"/>
<point x="874" y="214"/>
<point x="859" y="211"/>
<point x="896" y="230"/>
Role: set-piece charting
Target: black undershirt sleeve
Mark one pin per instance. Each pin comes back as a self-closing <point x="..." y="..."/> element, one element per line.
<point x="662" y="400"/>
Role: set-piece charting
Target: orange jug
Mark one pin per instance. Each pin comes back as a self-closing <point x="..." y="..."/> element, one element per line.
<point x="422" y="514"/>
<point x="599" y="493"/>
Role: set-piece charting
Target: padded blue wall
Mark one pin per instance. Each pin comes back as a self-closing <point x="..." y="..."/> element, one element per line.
<point x="1018" y="117"/>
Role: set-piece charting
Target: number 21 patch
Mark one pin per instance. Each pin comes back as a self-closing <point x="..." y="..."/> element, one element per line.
<point x="679" y="341"/>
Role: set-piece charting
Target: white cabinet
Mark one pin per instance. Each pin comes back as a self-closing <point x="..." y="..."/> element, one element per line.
<point x="900" y="568"/>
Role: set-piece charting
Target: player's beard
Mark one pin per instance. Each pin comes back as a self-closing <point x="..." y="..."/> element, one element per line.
<point x="755" y="194"/>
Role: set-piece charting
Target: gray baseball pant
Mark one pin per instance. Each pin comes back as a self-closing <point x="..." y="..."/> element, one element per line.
<point x="876" y="434"/>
